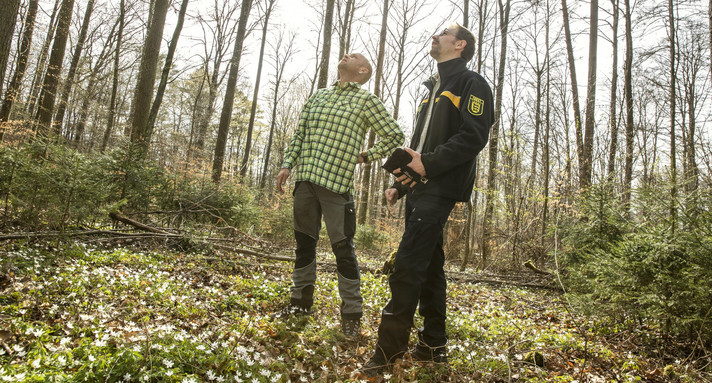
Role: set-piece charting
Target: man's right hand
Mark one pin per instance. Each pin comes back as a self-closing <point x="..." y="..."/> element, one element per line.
<point x="391" y="195"/>
<point x="282" y="178"/>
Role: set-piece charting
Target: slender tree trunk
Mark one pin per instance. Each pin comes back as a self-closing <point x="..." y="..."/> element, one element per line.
<point x="366" y="181"/>
<point x="88" y="94"/>
<point x="115" y="81"/>
<point x="42" y="62"/>
<point x="586" y="171"/>
<point x="628" y="94"/>
<point x="537" y="119"/>
<point x="51" y="79"/>
<point x="69" y="81"/>
<point x="613" y="114"/>
<point x="691" y="170"/>
<point x="709" y="20"/>
<point x="547" y="130"/>
<point x="488" y="224"/>
<point x="466" y="14"/>
<point x="153" y="114"/>
<point x="482" y="15"/>
<point x="253" y="110"/>
<point x="673" y="106"/>
<point x="226" y="114"/>
<point x="8" y="19"/>
<point x="143" y="94"/>
<point x="574" y="86"/>
<point x="345" y="35"/>
<point x="326" y="51"/>
<point x="13" y="90"/>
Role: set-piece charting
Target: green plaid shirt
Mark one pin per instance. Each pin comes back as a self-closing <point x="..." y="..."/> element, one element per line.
<point x="331" y="132"/>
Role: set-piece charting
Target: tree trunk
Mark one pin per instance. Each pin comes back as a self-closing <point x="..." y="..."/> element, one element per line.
<point x="326" y="51"/>
<point x="153" y="114"/>
<point x="482" y="16"/>
<point x="547" y="130"/>
<point x="613" y="114"/>
<point x="42" y="62"/>
<point x="347" y="22"/>
<point x="709" y="19"/>
<point x="143" y="94"/>
<point x="366" y="181"/>
<point x="673" y="106"/>
<point x="51" y="79"/>
<point x="280" y="63"/>
<point x="253" y="110"/>
<point x="488" y="224"/>
<point x="628" y="94"/>
<point x="8" y="19"/>
<point x="226" y="114"/>
<point x="574" y="86"/>
<point x="466" y="14"/>
<point x="69" y="81"/>
<point x="115" y="81"/>
<point x="586" y="171"/>
<point x="23" y="54"/>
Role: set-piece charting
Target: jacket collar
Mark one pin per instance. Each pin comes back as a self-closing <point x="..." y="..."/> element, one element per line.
<point x="447" y="70"/>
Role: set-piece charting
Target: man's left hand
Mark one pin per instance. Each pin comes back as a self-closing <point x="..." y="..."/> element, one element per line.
<point x="416" y="164"/>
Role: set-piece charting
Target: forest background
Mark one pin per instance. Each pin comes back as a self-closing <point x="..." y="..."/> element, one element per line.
<point x="172" y="117"/>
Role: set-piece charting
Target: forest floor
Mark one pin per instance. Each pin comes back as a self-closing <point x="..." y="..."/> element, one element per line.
<point x="81" y="312"/>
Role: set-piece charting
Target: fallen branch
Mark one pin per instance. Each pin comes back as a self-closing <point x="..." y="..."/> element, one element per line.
<point x="115" y="216"/>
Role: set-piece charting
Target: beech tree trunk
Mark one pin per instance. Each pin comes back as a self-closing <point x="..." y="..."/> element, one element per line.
<point x="8" y="19"/>
<point x="143" y="94"/>
<point x="326" y="51"/>
<point x="613" y="114"/>
<point x="574" y="86"/>
<point x="153" y="114"/>
<point x="628" y="94"/>
<point x="673" y="107"/>
<point x="51" y="80"/>
<point x="346" y="23"/>
<point x="42" y="62"/>
<point x="253" y="110"/>
<point x="586" y="171"/>
<point x="23" y="54"/>
<point x="488" y="224"/>
<point x="366" y="180"/>
<point x="115" y="78"/>
<point x="280" y="63"/>
<point x="69" y="81"/>
<point x="226" y="115"/>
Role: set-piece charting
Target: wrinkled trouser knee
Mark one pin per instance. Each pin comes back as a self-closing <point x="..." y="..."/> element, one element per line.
<point x="349" y="279"/>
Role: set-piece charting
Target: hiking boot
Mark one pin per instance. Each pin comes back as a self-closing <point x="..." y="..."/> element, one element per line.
<point x="350" y="327"/>
<point x="292" y="311"/>
<point x="424" y="353"/>
<point x="372" y="369"/>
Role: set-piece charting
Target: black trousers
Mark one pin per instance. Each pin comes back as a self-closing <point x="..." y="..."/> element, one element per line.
<point x="418" y="278"/>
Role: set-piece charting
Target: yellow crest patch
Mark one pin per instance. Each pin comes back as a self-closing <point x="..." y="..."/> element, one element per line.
<point x="475" y="106"/>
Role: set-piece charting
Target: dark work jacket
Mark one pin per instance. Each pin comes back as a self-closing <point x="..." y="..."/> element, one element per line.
<point x="459" y="129"/>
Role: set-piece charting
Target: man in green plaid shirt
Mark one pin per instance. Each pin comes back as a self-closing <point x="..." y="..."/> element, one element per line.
<point x="324" y="152"/>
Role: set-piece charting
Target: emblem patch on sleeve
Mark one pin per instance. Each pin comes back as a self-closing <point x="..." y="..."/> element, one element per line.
<point x="475" y="106"/>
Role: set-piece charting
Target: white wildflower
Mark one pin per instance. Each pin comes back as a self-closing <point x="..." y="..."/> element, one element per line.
<point x="211" y="375"/>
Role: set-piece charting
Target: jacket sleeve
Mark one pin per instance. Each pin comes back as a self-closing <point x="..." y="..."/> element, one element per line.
<point x="295" y="145"/>
<point x="389" y="133"/>
<point x="477" y="112"/>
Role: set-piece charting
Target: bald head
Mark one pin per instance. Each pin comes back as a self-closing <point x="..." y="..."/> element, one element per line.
<point x="355" y="67"/>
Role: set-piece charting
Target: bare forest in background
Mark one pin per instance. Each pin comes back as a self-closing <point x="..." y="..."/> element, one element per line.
<point x="214" y="88"/>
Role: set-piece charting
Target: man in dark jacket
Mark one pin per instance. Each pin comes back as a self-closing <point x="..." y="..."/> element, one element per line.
<point x="452" y="127"/>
